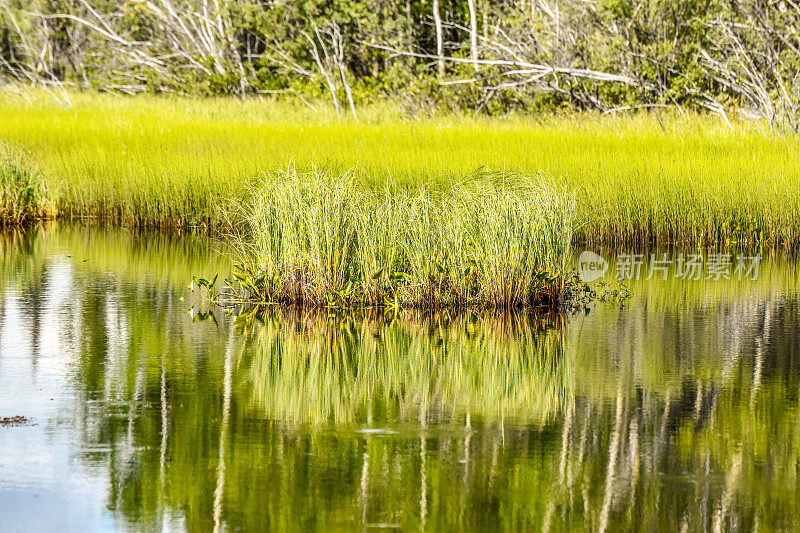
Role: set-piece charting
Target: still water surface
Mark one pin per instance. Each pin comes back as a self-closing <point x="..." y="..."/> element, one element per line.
<point x="679" y="412"/>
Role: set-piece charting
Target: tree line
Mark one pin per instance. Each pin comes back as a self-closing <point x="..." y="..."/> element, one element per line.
<point x="723" y="56"/>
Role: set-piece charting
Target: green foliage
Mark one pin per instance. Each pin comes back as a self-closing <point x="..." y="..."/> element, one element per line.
<point x="252" y="47"/>
<point x="685" y="402"/>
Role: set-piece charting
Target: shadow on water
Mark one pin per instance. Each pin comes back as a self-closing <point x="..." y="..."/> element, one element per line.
<point x="677" y="413"/>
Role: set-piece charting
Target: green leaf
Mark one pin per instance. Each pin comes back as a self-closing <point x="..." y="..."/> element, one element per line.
<point x="398" y="276"/>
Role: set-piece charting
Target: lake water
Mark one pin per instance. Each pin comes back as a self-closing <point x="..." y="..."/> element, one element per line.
<point x="678" y="411"/>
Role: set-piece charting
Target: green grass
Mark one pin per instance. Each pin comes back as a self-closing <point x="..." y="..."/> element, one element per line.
<point x="22" y="193"/>
<point x="174" y="162"/>
<point x="312" y="239"/>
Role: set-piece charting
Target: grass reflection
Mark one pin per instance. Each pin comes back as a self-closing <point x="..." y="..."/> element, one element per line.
<point x="309" y="367"/>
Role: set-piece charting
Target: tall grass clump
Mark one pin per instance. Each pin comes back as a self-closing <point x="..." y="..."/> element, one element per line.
<point x="322" y="239"/>
<point x="22" y="191"/>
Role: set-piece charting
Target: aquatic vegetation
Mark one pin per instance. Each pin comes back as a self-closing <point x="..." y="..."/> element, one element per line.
<point x="310" y="238"/>
<point x="22" y="191"/>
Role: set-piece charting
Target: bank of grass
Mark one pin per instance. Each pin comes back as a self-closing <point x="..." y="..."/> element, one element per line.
<point x="159" y="161"/>
<point x="310" y="238"/>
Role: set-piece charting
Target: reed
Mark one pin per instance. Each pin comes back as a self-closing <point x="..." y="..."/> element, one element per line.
<point x="22" y="192"/>
<point x="311" y="238"/>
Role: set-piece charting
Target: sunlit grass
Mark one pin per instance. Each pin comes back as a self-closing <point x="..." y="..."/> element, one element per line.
<point x="168" y="161"/>
<point x="314" y="239"/>
<point x="22" y="188"/>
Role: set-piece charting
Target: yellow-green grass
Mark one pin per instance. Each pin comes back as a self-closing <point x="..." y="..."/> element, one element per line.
<point x="310" y="238"/>
<point x="168" y="161"/>
<point x="22" y="194"/>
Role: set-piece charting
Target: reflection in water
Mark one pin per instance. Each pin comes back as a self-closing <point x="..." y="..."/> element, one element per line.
<point x="679" y="412"/>
<point x="314" y="368"/>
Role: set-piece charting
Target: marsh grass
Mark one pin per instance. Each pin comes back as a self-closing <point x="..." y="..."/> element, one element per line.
<point x="22" y="192"/>
<point x="160" y="161"/>
<point x="683" y="211"/>
<point x="313" y="238"/>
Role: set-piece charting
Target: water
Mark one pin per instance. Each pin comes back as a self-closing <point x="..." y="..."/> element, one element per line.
<point x="678" y="412"/>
